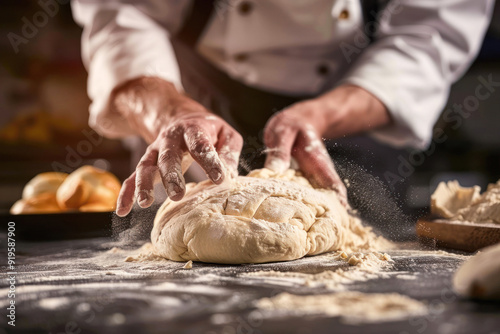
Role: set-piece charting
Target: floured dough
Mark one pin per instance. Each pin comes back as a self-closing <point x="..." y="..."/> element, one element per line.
<point x="450" y="197"/>
<point x="478" y="277"/>
<point x="262" y="217"/>
<point x="466" y="204"/>
<point x="486" y="209"/>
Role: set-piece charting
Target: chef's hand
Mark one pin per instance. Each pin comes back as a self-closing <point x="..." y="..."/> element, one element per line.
<point x="177" y="129"/>
<point x="297" y="132"/>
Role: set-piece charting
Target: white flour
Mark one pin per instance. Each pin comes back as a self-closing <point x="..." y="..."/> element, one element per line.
<point x="79" y="274"/>
<point x="353" y="307"/>
<point x="370" y="266"/>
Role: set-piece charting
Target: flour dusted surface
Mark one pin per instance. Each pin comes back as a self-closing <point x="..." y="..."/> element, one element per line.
<point x="370" y="265"/>
<point x="352" y="306"/>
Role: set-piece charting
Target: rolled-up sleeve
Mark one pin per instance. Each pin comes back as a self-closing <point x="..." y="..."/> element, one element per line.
<point x="421" y="48"/>
<point x="122" y="41"/>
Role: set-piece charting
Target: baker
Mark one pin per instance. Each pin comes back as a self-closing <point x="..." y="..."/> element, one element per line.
<point x="202" y="78"/>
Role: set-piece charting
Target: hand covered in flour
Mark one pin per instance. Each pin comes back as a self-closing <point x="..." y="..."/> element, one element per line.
<point x="179" y="130"/>
<point x="297" y="132"/>
<point x="292" y="134"/>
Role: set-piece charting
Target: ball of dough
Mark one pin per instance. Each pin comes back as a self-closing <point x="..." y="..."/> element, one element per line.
<point x="89" y="185"/>
<point x="263" y="217"/>
<point x="43" y="183"/>
<point x="478" y="277"/>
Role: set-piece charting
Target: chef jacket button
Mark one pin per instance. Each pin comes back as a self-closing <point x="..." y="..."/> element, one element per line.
<point x="245" y="7"/>
<point x="240" y="57"/>
<point x="322" y="69"/>
<point x="344" y="14"/>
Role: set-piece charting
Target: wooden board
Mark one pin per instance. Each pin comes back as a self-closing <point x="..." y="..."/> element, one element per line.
<point x="464" y="236"/>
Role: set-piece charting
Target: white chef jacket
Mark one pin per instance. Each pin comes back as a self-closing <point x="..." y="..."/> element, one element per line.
<point x="421" y="48"/>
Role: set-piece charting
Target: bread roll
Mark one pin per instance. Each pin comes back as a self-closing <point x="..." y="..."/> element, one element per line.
<point x="42" y="203"/>
<point x="96" y="207"/>
<point x="87" y="189"/>
<point x="43" y="183"/>
<point x="89" y="185"/>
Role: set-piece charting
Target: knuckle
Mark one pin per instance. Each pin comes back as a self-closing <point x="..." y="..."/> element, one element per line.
<point x="283" y="131"/>
<point x="280" y="154"/>
<point x="165" y="157"/>
<point x="200" y="147"/>
<point x="194" y="133"/>
<point x="237" y="138"/>
<point x="230" y="156"/>
<point x="175" y="130"/>
<point x="281" y="117"/>
<point x="129" y="181"/>
<point x="141" y="185"/>
<point x="197" y="135"/>
<point x="190" y="123"/>
<point x="232" y="138"/>
<point x="273" y="121"/>
<point x="145" y="164"/>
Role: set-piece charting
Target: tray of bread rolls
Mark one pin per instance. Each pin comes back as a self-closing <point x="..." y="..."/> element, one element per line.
<point x="57" y="205"/>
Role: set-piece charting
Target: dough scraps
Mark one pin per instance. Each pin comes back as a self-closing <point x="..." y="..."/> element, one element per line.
<point x="466" y="204"/>
<point x="262" y="217"/>
<point x="478" y="276"/>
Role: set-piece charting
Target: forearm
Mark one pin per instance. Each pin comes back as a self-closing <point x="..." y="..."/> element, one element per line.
<point x="121" y="41"/>
<point x="150" y="104"/>
<point x="415" y="59"/>
<point x="348" y="110"/>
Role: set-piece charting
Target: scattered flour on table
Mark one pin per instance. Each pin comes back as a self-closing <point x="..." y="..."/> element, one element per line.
<point x="352" y="307"/>
<point x="144" y="254"/>
<point x="406" y="277"/>
<point x="435" y="253"/>
<point x="362" y="267"/>
<point x="54" y="303"/>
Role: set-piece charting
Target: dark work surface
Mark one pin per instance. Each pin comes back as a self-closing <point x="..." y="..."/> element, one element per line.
<point x="59" y="226"/>
<point x="78" y="286"/>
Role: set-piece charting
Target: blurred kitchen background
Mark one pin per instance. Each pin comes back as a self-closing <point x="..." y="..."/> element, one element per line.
<point x="44" y="111"/>
<point x="44" y="103"/>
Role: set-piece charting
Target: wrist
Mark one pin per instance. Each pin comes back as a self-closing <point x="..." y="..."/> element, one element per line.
<point x="349" y="110"/>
